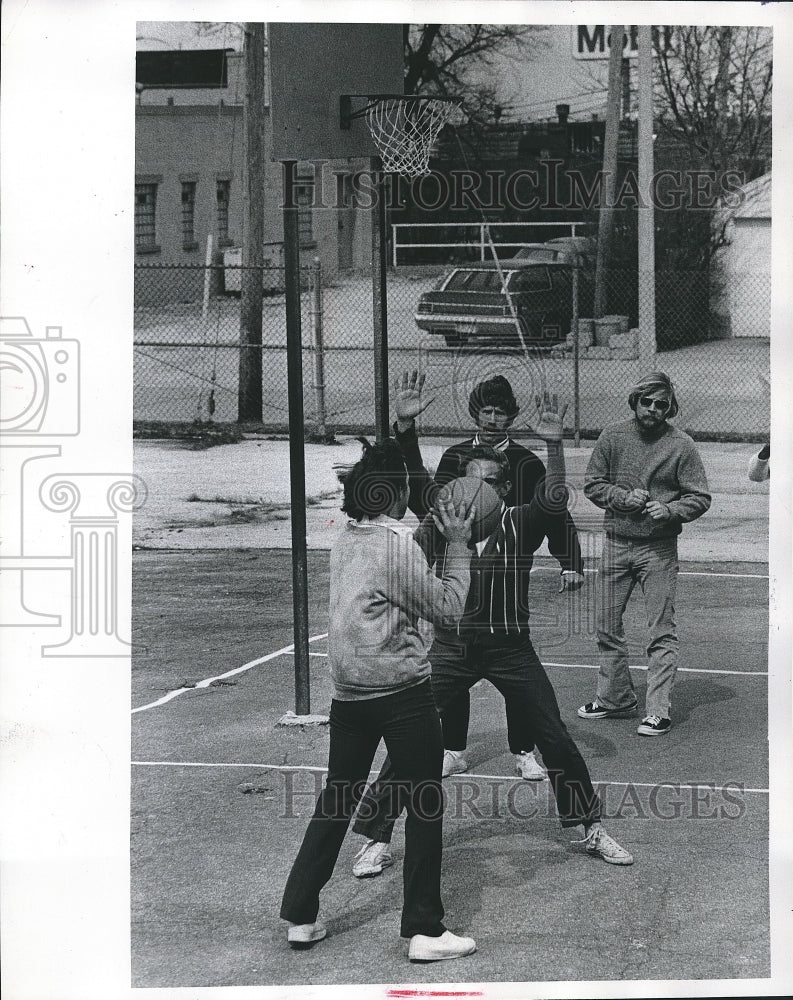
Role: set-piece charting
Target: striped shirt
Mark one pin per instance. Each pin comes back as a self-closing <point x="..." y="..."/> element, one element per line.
<point x="501" y="446"/>
<point x="498" y="598"/>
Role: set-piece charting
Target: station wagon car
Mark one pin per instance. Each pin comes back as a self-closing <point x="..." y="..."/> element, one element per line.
<point x="472" y="303"/>
<point x="580" y="250"/>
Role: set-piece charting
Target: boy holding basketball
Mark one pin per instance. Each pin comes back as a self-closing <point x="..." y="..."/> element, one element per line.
<point x="380" y="584"/>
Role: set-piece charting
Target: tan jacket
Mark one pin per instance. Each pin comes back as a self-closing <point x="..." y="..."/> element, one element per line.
<point x="380" y="585"/>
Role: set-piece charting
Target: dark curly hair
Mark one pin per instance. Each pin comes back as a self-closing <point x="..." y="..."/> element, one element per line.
<point x="488" y="454"/>
<point x="494" y="391"/>
<point x="376" y="480"/>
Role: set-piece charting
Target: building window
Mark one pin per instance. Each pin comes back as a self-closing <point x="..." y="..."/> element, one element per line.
<point x="222" y="216"/>
<point x="304" y="199"/>
<point x="188" y="215"/>
<point x="145" y="217"/>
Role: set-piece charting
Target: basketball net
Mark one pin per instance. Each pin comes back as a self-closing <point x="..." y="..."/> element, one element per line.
<point x="405" y="129"/>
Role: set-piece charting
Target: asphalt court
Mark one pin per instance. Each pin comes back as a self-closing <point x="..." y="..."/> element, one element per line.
<point x="221" y="796"/>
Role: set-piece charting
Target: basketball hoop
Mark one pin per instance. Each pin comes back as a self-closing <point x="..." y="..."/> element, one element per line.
<point x="404" y="129"/>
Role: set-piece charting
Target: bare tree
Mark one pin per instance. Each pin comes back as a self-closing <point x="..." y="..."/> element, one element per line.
<point x="226" y="31"/>
<point x="713" y="95"/>
<point x="454" y="60"/>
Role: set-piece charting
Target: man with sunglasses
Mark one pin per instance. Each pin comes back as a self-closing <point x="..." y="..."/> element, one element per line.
<point x="649" y="478"/>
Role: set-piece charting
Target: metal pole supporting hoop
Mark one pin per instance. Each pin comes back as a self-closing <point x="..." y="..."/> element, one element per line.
<point x="404" y="128"/>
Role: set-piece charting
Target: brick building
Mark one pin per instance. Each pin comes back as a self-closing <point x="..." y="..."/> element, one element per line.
<point x="190" y="178"/>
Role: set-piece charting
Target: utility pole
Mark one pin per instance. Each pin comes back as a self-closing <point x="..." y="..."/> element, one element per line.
<point x="646" y="212"/>
<point x="380" y="302"/>
<point x="249" y="401"/>
<point x="609" y="186"/>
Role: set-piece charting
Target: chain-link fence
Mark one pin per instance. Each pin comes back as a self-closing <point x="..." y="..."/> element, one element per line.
<point x="187" y="333"/>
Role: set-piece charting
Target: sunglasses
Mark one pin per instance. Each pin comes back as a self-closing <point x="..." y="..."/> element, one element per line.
<point x="662" y="405"/>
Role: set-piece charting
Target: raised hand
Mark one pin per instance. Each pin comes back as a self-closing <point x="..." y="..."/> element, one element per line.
<point x="550" y="426"/>
<point x="408" y="403"/>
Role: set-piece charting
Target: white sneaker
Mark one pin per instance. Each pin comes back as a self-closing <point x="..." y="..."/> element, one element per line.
<point x="373" y="857"/>
<point x="436" y="949"/>
<point x="304" y="935"/>
<point x="600" y="845"/>
<point x="528" y="767"/>
<point x="453" y="762"/>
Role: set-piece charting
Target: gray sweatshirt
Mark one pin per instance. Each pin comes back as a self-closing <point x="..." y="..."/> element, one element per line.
<point x="666" y="464"/>
<point x="380" y="585"/>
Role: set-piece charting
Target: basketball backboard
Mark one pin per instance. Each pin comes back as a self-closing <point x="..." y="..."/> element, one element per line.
<point x="311" y="66"/>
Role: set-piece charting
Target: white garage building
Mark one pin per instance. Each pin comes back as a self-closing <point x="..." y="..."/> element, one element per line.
<point x="745" y="294"/>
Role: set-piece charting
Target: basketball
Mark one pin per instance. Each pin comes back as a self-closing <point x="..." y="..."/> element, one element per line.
<point x="468" y="490"/>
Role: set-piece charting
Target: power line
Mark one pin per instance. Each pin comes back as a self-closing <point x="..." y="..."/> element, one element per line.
<point x="562" y="100"/>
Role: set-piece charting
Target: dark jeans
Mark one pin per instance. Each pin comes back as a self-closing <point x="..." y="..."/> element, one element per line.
<point x="408" y="723"/>
<point x="512" y="666"/>
<point x="456" y="717"/>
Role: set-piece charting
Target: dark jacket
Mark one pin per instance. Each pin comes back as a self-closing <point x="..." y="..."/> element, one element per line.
<point x="527" y="472"/>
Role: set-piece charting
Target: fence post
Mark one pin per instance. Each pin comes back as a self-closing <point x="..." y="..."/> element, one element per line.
<point x="207" y="277"/>
<point x="481" y="242"/>
<point x="297" y="456"/>
<point x="576" y="367"/>
<point x="318" y="347"/>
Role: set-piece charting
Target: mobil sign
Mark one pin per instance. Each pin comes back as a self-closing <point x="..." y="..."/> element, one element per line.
<point x="593" y="41"/>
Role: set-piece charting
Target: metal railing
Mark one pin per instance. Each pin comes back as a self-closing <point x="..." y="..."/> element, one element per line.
<point x="480" y="242"/>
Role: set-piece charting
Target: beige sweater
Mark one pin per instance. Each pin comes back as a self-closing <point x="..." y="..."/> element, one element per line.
<point x="666" y="464"/>
<point x="380" y="585"/>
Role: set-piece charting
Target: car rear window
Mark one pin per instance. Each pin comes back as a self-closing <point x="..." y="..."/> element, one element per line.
<point x="546" y="256"/>
<point x="532" y="279"/>
<point x="474" y="281"/>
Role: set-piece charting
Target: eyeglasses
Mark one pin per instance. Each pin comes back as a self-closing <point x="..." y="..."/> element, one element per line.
<point x="493" y="480"/>
<point x="662" y="405"/>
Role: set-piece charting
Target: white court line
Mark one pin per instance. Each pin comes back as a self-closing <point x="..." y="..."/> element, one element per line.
<point x="739" y="576"/>
<point x="290" y="651"/>
<point x="683" y="572"/>
<point x="633" y="666"/>
<point x="287" y="650"/>
<point x="680" y="670"/>
<point x="677" y="785"/>
<point x="229" y="673"/>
